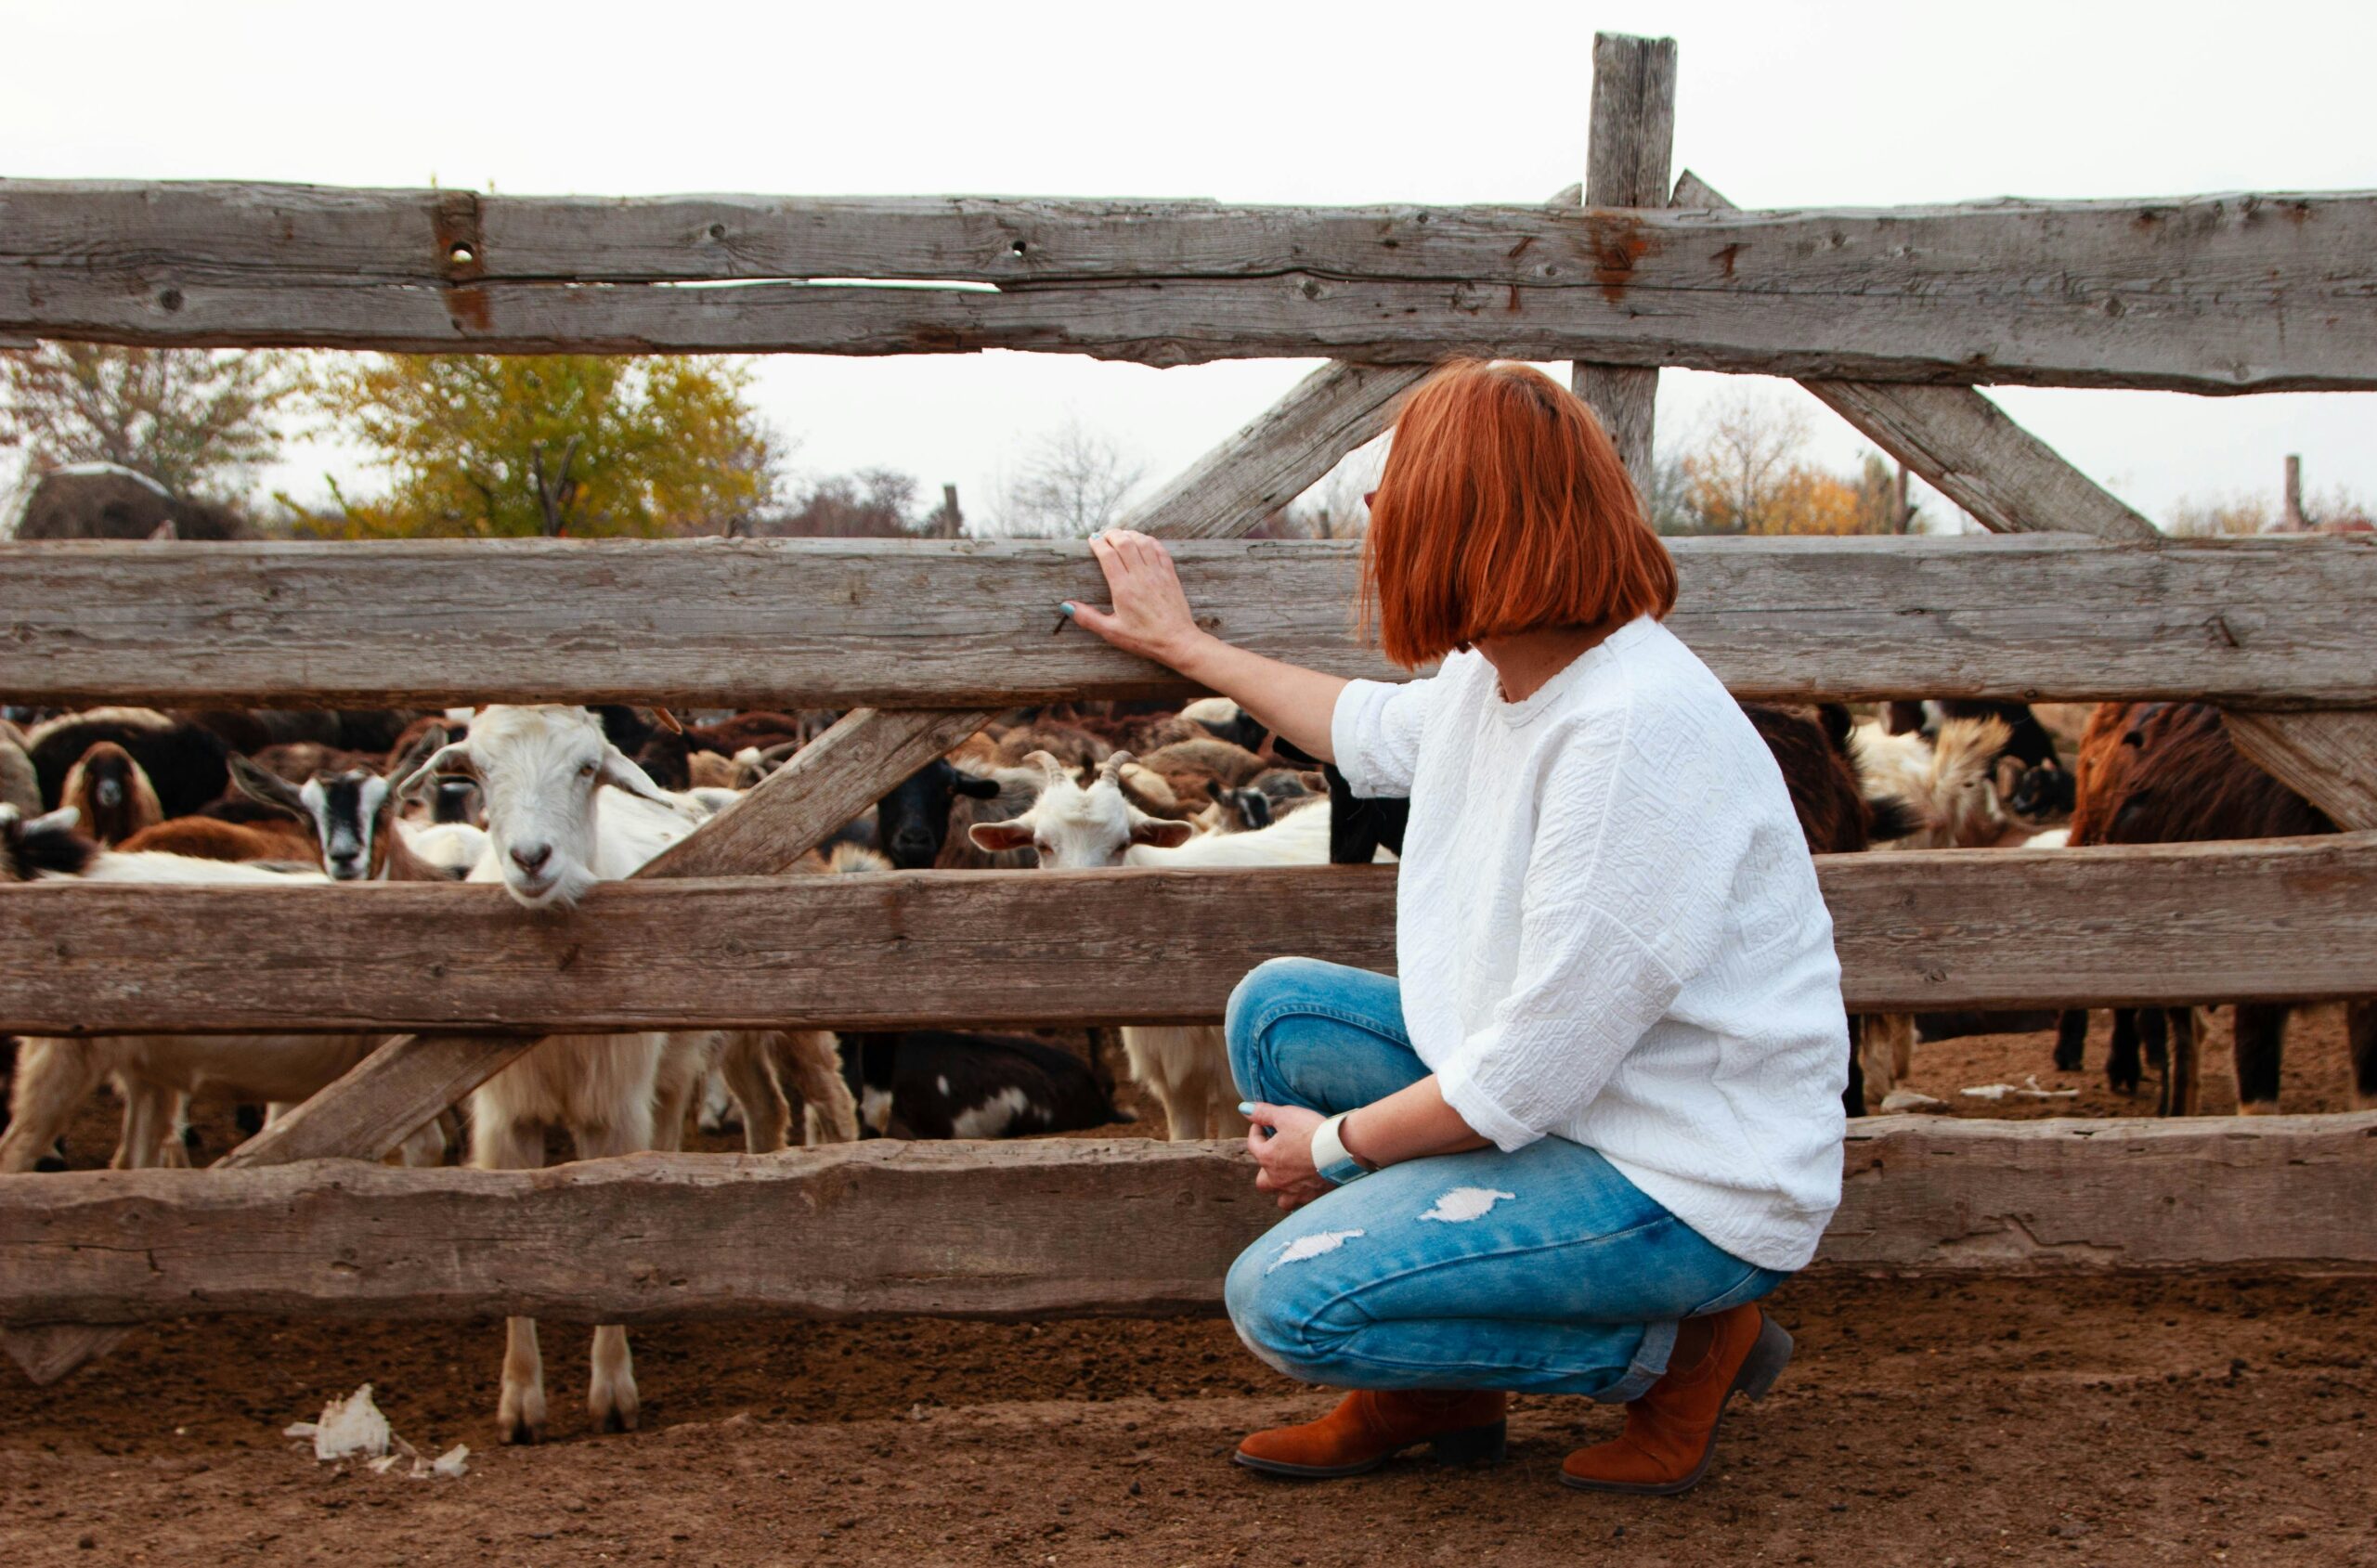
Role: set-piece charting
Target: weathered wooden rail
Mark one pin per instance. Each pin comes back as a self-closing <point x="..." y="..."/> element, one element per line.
<point x="1888" y="316"/>
<point x="2209" y="293"/>
<point x="830" y="623"/>
<point x="2276" y="920"/>
<point x="1128" y="1227"/>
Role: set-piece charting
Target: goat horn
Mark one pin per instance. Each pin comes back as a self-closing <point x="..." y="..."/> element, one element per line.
<point x="1047" y="764"/>
<point x="1112" y="769"/>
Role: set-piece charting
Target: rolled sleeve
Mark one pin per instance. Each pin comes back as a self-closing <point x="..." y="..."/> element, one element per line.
<point x="1375" y="730"/>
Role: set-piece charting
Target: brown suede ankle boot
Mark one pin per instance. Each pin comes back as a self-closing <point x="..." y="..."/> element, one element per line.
<point x="1672" y="1432"/>
<point x="1368" y="1428"/>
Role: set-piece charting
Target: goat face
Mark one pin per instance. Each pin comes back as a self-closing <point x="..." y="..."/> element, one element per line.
<point x="541" y="772"/>
<point x="912" y="822"/>
<point x="1076" y="828"/>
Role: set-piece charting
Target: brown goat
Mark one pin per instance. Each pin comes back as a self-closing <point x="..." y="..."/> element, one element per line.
<point x="2166" y="774"/>
<point x="204" y="838"/>
<point x="112" y="792"/>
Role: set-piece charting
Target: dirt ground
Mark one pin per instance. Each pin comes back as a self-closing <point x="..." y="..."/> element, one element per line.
<point x="2130" y="1421"/>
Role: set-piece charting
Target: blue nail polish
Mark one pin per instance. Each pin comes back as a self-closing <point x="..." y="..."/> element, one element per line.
<point x="1246" y="1108"/>
<point x="1065" y="607"/>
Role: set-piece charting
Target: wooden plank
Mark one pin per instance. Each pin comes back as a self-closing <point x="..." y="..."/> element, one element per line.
<point x="2278" y="920"/>
<point x="2215" y="293"/>
<point x="833" y="623"/>
<point x="1050" y="1227"/>
<point x="1969" y="451"/>
<point x="2329" y="759"/>
<point x="1632" y="144"/>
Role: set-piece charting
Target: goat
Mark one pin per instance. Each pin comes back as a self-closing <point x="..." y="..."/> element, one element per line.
<point x="155" y="1072"/>
<point x="567" y="808"/>
<point x="1073" y="827"/>
<point x="1225" y="720"/>
<point x="1359" y="827"/>
<point x="355" y="820"/>
<point x="2032" y="786"/>
<point x="185" y="763"/>
<point x="2167" y="773"/>
<point x="912" y="822"/>
<point x="115" y="798"/>
<point x="20" y="785"/>
<point x="934" y="1083"/>
<point x="206" y="838"/>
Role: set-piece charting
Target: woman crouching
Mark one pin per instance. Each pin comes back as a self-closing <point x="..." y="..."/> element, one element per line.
<point x="1597" y="1115"/>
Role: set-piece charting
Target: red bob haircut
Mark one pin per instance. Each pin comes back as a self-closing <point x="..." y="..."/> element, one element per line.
<point x="1503" y="508"/>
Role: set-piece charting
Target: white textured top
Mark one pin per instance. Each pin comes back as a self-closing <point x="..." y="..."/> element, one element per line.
<point x="1608" y="930"/>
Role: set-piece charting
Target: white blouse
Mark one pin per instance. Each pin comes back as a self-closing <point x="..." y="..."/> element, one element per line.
<point x="1608" y="930"/>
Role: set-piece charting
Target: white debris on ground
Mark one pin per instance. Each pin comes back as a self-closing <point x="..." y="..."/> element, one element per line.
<point x="2030" y="1090"/>
<point x="1899" y="1100"/>
<point x="352" y="1428"/>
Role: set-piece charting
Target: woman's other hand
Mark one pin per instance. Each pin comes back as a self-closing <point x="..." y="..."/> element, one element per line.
<point x="1151" y="614"/>
<point x="1286" y="1155"/>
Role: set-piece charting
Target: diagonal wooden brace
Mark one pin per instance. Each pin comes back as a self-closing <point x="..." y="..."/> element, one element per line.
<point x="2015" y="483"/>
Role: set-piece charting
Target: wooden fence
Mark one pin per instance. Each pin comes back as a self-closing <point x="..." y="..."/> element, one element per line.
<point x="1888" y="316"/>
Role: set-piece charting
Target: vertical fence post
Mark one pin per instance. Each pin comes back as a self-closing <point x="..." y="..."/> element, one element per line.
<point x="1627" y="163"/>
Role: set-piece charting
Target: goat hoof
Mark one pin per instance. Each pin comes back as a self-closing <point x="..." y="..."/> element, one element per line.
<point x="618" y="1420"/>
<point x="520" y="1434"/>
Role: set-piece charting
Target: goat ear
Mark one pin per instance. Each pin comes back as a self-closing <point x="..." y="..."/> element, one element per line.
<point x="621" y="773"/>
<point x="1161" y="831"/>
<point x="999" y="837"/>
<point x="267" y="788"/>
<point x="426" y="745"/>
<point x="454" y="757"/>
<point x="974" y="786"/>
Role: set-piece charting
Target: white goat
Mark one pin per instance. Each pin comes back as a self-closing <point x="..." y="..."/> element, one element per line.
<point x="553" y="832"/>
<point x="1075" y="827"/>
<point x="156" y="1072"/>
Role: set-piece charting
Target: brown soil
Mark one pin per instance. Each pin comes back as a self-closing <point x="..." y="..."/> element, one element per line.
<point x="2127" y="1421"/>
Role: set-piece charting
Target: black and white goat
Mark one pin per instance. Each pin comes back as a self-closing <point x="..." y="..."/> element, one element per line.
<point x="934" y="1084"/>
<point x="355" y="818"/>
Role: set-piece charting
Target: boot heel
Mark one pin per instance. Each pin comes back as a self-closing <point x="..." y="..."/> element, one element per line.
<point x="1478" y="1445"/>
<point x="1766" y="1360"/>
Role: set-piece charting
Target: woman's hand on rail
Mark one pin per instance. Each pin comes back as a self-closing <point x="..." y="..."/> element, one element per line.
<point x="1151" y="614"/>
<point x="1286" y="1155"/>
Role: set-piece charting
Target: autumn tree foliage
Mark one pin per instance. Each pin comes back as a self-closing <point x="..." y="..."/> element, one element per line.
<point x="490" y="446"/>
<point x="198" y="422"/>
<point x="1748" y="473"/>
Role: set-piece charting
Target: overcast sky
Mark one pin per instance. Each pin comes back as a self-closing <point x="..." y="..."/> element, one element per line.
<point x="1780" y="104"/>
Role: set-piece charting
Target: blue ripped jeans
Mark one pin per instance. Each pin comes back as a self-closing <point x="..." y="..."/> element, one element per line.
<point x="1543" y="1271"/>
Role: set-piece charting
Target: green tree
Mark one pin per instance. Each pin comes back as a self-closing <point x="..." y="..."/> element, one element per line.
<point x="487" y="446"/>
<point x="195" y="421"/>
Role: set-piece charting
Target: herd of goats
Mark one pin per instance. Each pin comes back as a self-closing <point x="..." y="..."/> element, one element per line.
<point x="548" y="802"/>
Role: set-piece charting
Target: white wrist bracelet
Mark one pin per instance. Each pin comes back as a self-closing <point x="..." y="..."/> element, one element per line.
<point x="1329" y="1157"/>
